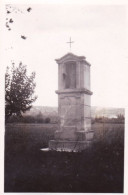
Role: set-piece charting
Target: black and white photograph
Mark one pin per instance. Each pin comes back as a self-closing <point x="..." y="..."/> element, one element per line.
<point x="64" y="90"/>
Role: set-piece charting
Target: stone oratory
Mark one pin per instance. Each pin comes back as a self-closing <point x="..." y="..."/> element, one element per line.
<point x="74" y="104"/>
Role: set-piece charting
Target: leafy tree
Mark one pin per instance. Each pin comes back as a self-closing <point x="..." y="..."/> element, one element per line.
<point x="120" y="118"/>
<point x="19" y="90"/>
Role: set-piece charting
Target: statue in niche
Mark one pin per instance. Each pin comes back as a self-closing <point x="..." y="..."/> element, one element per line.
<point x="69" y="77"/>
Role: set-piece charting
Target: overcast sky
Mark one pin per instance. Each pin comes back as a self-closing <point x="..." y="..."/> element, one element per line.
<point x="98" y="32"/>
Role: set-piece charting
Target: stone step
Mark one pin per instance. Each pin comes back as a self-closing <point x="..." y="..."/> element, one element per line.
<point x="69" y="146"/>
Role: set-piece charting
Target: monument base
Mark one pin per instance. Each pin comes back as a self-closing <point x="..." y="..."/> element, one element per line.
<point x="68" y="146"/>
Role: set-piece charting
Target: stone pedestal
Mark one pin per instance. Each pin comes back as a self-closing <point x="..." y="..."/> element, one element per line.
<point x="74" y="109"/>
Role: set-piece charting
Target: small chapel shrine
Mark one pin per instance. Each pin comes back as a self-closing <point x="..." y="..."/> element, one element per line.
<point x="74" y="104"/>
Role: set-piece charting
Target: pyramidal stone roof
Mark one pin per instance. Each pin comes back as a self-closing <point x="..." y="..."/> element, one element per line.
<point x="70" y="57"/>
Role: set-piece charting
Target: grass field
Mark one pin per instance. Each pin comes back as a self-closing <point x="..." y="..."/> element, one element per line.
<point x="28" y="169"/>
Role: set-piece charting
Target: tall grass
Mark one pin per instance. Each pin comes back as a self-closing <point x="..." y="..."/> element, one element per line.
<point x="98" y="169"/>
<point x="41" y="133"/>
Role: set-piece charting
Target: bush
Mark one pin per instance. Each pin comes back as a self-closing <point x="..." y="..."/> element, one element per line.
<point x="47" y="120"/>
<point x="39" y="118"/>
<point x="25" y="119"/>
<point x="119" y="120"/>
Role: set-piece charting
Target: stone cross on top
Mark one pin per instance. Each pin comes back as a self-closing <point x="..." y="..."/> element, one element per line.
<point x="70" y="42"/>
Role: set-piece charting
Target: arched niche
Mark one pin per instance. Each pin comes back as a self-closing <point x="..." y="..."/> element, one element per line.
<point x="69" y="76"/>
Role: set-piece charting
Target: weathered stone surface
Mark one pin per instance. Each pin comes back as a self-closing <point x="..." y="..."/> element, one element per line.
<point x="89" y="135"/>
<point x="66" y="133"/>
<point x="74" y="104"/>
